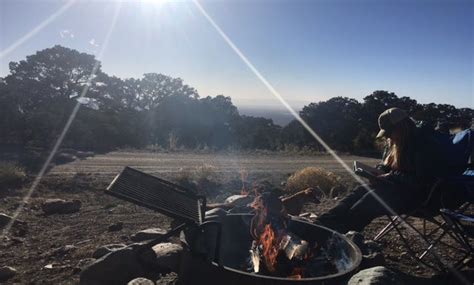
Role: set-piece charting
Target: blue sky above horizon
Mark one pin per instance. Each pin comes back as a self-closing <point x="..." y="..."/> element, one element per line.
<point x="309" y="50"/>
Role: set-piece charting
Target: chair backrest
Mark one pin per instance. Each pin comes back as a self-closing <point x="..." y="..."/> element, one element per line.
<point x="157" y="194"/>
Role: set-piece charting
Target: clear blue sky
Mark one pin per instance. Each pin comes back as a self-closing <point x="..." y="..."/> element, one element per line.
<point x="309" y="50"/>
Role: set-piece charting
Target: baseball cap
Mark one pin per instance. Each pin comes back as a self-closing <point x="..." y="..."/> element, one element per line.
<point x="389" y="119"/>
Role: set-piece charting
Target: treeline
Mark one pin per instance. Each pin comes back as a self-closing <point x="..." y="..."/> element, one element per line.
<point x="40" y="93"/>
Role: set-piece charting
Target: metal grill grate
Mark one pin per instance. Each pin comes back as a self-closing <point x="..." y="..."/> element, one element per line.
<point x="157" y="194"/>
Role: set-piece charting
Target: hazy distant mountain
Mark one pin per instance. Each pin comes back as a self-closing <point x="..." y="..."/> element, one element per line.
<point x="279" y="116"/>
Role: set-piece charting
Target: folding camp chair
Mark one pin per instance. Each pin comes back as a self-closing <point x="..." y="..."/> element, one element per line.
<point x="435" y="228"/>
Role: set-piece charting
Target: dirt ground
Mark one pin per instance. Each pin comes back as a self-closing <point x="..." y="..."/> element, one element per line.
<point x="52" y="246"/>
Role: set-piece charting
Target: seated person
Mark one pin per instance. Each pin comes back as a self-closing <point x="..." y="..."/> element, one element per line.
<point x="411" y="166"/>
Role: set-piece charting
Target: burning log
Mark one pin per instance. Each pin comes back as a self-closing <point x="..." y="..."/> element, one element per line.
<point x="274" y="247"/>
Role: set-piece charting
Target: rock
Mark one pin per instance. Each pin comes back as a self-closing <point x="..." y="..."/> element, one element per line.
<point x="115" y="227"/>
<point x="106" y="249"/>
<point x="60" y="206"/>
<point x="64" y="157"/>
<point x="84" y="154"/>
<point x="168" y="255"/>
<point x="117" y="267"/>
<point x="7" y="272"/>
<point x="63" y="250"/>
<point x="375" y="276"/>
<point x="148" y="234"/>
<point x="141" y="281"/>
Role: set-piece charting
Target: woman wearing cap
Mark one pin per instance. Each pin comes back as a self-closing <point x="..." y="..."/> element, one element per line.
<point x="409" y="168"/>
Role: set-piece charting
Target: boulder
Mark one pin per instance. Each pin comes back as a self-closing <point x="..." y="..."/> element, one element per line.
<point x="168" y="256"/>
<point x="60" y="206"/>
<point x="106" y="249"/>
<point x="148" y="234"/>
<point x="375" y="276"/>
<point x="141" y="281"/>
<point x="117" y="267"/>
<point x="7" y="272"/>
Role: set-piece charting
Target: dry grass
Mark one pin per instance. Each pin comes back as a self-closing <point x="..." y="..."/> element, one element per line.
<point x="11" y="173"/>
<point x="313" y="177"/>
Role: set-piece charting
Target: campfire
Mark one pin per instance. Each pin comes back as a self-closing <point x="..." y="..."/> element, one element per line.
<point x="276" y="251"/>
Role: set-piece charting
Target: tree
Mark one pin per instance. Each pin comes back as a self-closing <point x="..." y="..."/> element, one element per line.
<point x="336" y="121"/>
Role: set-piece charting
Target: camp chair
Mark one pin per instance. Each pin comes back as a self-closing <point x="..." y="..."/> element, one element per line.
<point x="434" y="228"/>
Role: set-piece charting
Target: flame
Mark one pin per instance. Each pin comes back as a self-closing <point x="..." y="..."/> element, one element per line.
<point x="270" y="246"/>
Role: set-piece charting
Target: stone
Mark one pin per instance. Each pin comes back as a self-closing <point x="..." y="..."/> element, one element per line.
<point x="141" y="281"/>
<point x="148" y="234"/>
<point x="118" y="267"/>
<point x="106" y="249"/>
<point x="63" y="250"/>
<point x="64" y="157"/>
<point x="60" y="206"/>
<point x="7" y="272"/>
<point x="378" y="275"/>
<point x="115" y="227"/>
<point x="168" y="255"/>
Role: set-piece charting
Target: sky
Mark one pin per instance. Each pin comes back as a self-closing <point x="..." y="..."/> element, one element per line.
<point x="309" y="50"/>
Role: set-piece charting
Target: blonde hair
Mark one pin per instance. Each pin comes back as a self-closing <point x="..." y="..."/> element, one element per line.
<point x="400" y="154"/>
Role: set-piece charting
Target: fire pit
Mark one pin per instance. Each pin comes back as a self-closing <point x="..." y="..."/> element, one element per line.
<point x="227" y="250"/>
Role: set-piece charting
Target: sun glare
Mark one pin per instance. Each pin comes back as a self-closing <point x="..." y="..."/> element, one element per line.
<point x="156" y="2"/>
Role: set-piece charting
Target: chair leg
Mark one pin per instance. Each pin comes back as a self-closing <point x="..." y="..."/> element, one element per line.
<point x="393" y="222"/>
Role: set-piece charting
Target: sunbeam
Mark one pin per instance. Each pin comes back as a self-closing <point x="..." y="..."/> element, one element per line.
<point x="66" y="127"/>
<point x="37" y="29"/>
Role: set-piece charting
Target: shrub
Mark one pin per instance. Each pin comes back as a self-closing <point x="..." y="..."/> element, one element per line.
<point x="11" y="174"/>
<point x="202" y="178"/>
<point x="313" y="177"/>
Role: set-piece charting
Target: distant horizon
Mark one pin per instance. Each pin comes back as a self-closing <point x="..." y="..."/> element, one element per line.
<point x="262" y="107"/>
